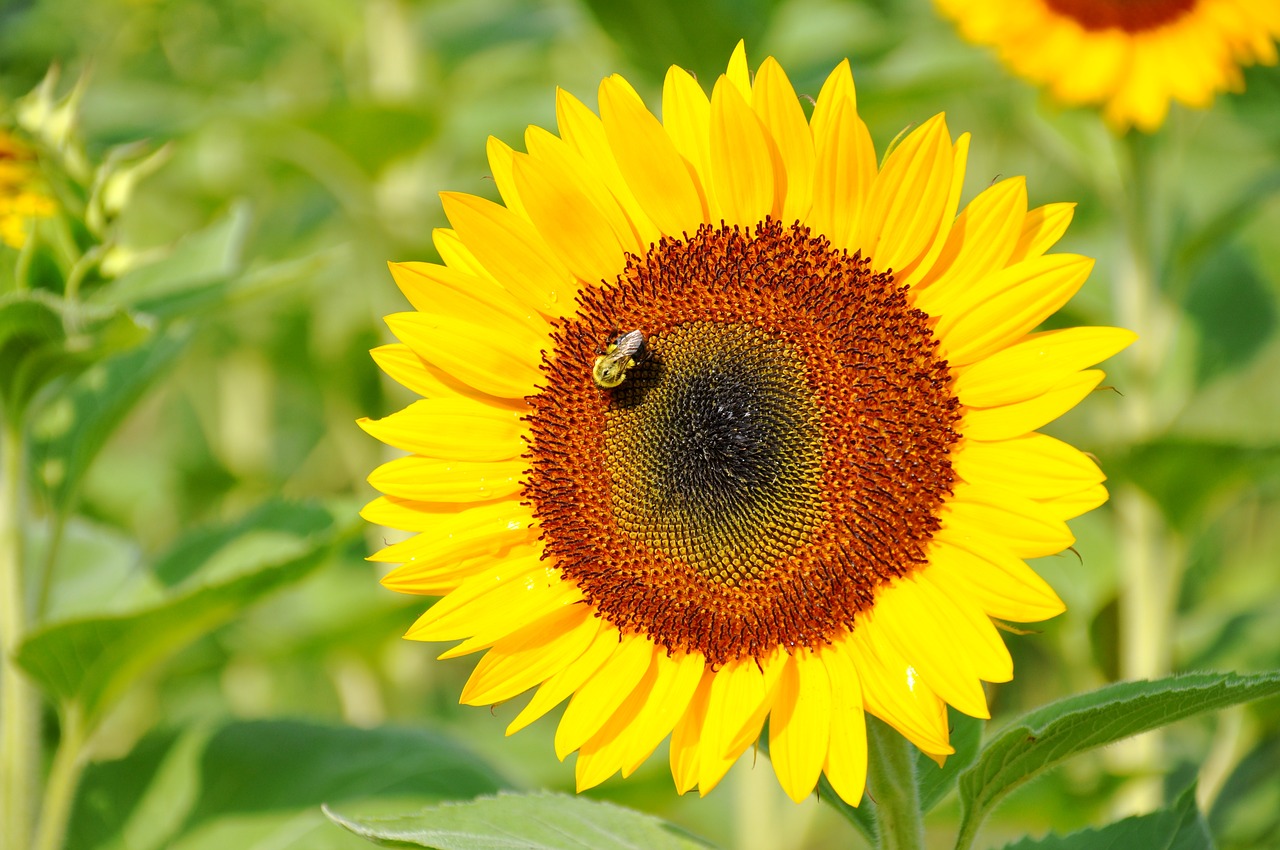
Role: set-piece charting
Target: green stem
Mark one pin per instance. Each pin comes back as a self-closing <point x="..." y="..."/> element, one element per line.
<point x="20" y="713"/>
<point x="64" y="778"/>
<point x="891" y="772"/>
<point x="1149" y="564"/>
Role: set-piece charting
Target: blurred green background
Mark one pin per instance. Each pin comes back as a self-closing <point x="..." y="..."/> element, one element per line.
<point x="308" y="141"/>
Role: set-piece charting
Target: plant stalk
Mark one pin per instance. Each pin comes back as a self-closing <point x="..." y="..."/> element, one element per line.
<point x="20" y="711"/>
<point x="1150" y="568"/>
<point x="891" y="772"/>
<point x="64" y="778"/>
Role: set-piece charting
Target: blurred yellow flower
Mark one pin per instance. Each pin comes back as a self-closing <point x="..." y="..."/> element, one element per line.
<point x="21" y="195"/>
<point x="1131" y="57"/>
<point x="802" y="496"/>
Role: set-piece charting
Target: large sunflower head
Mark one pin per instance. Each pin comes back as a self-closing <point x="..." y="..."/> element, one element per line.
<point x="724" y="422"/>
<point x="1131" y="57"/>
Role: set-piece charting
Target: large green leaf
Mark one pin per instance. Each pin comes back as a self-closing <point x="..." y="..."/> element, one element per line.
<point x="287" y="764"/>
<point x="66" y="442"/>
<point x="91" y="661"/>
<point x="525" y="821"/>
<point x="1180" y="827"/>
<point x="1054" y="733"/>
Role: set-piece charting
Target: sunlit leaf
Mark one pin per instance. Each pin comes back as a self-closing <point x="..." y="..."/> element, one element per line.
<point x="528" y="821"/>
<point x="1180" y="827"/>
<point x="1051" y="734"/>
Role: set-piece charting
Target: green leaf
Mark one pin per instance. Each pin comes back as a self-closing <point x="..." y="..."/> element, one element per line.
<point x="861" y="817"/>
<point x="70" y="435"/>
<point x="92" y="661"/>
<point x="1233" y="308"/>
<point x="205" y="258"/>
<point x="1178" y="828"/>
<point x="933" y="782"/>
<point x="1068" y="727"/>
<point x="289" y="764"/>
<point x="43" y="339"/>
<point x="697" y="35"/>
<point x="525" y="821"/>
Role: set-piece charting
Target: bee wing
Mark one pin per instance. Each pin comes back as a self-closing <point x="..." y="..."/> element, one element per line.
<point x="629" y="343"/>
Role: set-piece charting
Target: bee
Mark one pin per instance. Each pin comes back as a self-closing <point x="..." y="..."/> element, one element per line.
<point x="610" y="368"/>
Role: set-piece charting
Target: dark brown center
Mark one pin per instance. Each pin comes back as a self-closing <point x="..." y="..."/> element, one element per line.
<point x="1129" y="15"/>
<point x="780" y="449"/>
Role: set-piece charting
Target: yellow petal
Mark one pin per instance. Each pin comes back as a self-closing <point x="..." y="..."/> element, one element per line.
<point x="686" y="116"/>
<point x="958" y="615"/>
<point x="515" y="585"/>
<point x="570" y="166"/>
<point x="1035" y="466"/>
<point x="456" y="255"/>
<point x="531" y="655"/>
<point x="677" y="681"/>
<point x="775" y="102"/>
<point x="800" y="724"/>
<point x="1026" y="528"/>
<point x="452" y="428"/>
<point x="578" y="233"/>
<point x="583" y="130"/>
<point x="601" y="695"/>
<point x="558" y="688"/>
<point x="512" y="250"/>
<point x="501" y="157"/>
<point x="412" y="372"/>
<point x="1003" y="306"/>
<point x="433" y="288"/>
<point x="908" y="198"/>
<point x="980" y="242"/>
<point x="601" y="756"/>
<point x="686" y="737"/>
<point x="663" y="181"/>
<point x="747" y="176"/>
<point x="1001" y="583"/>
<point x="740" y="699"/>
<point x="846" y="758"/>
<point x="430" y="480"/>
<point x="845" y="160"/>
<point x="922" y="265"/>
<point x="1072" y="505"/>
<point x="738" y="73"/>
<point x="489" y="352"/>
<point x="1036" y="363"/>
<point x="1041" y="230"/>
<point x="402" y="513"/>
<point x="1014" y="420"/>
<point x="893" y="690"/>
<point x="908" y="620"/>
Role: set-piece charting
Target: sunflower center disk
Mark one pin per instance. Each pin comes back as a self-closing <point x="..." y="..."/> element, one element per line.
<point x="716" y="451"/>
<point x="1129" y="15"/>
<point x="780" y="449"/>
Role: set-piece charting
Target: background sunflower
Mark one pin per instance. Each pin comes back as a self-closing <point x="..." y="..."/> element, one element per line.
<point x="216" y="460"/>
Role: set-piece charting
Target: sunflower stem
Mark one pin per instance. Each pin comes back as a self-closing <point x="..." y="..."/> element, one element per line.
<point x="20" y="711"/>
<point x="891" y="769"/>
<point x="1149" y="557"/>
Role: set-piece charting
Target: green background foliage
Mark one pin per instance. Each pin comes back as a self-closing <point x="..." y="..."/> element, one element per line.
<point x="195" y="466"/>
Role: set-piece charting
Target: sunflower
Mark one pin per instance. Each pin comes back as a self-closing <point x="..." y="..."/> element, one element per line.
<point x="813" y="481"/>
<point x="1131" y="56"/>
<point x="21" y="198"/>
